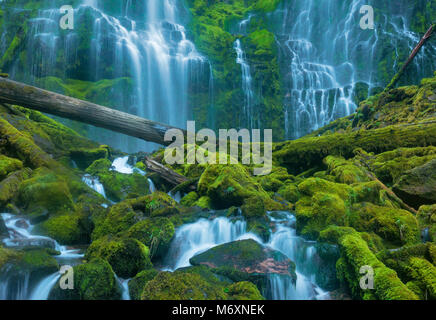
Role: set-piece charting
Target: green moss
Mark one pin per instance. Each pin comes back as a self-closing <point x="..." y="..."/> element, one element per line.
<point x="68" y="229"/>
<point x="126" y="256"/>
<point x="9" y="187"/>
<point x="190" y="199"/>
<point x="290" y="192"/>
<point x="244" y="291"/>
<point x="311" y="186"/>
<point x="355" y="254"/>
<point x="118" y="186"/>
<point x="344" y="171"/>
<point x="427" y="219"/>
<point x="8" y="165"/>
<point x="204" y="202"/>
<point x="137" y="284"/>
<point x="94" y="280"/>
<point x="425" y="274"/>
<point x="156" y="233"/>
<point x="85" y="157"/>
<point x="45" y="190"/>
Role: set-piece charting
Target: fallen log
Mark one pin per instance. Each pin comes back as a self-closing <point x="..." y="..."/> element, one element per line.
<point x="308" y="152"/>
<point x="165" y="173"/>
<point x="411" y="57"/>
<point x="17" y="93"/>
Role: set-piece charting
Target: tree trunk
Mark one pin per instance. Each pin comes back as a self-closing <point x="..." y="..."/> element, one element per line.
<point x="165" y="173"/>
<point x="13" y="92"/>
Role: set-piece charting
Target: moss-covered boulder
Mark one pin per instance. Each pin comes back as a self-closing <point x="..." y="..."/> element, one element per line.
<point x="9" y="186"/>
<point x="125" y="214"/>
<point x="84" y="157"/>
<point x="247" y="256"/>
<point x="126" y="256"/>
<point x="417" y="187"/>
<point x="118" y="186"/>
<point x="137" y="284"/>
<point x="45" y="190"/>
<point x="190" y="199"/>
<point x="156" y="233"/>
<point x="8" y="165"/>
<point x="94" y="280"/>
<point x="228" y="185"/>
<point x="69" y="229"/>
<point x="290" y="192"/>
<point x="394" y="225"/>
<point x="344" y="171"/>
<point x="244" y="290"/>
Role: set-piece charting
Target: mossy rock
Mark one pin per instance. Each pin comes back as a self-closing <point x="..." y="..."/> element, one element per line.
<point x="393" y="225"/>
<point x="311" y="186"/>
<point x="126" y="256"/>
<point x="344" y="171"/>
<point x="67" y="229"/>
<point x="118" y="186"/>
<point x="244" y="290"/>
<point x="156" y="233"/>
<point x="9" y="187"/>
<point x="253" y="208"/>
<point x="181" y="286"/>
<point x="417" y="186"/>
<point x="229" y="186"/>
<point x="318" y="212"/>
<point x="290" y="192"/>
<point x="247" y="256"/>
<point x="128" y="212"/>
<point x="137" y="284"/>
<point x="8" y="165"/>
<point x="190" y="199"/>
<point x="45" y="190"/>
<point x="84" y="157"/>
<point x="94" y="280"/>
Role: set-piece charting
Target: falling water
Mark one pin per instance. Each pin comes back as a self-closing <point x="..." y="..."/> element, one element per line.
<point x="145" y="41"/>
<point x="94" y="184"/>
<point x="194" y="238"/>
<point x="20" y="285"/>
<point x="325" y="57"/>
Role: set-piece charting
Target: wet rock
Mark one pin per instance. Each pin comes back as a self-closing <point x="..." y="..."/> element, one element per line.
<point x="418" y="186"/>
<point x="247" y="256"/>
<point x="3" y="230"/>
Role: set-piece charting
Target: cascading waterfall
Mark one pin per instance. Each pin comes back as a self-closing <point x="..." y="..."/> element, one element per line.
<point x="325" y="61"/>
<point x="20" y="285"/>
<point x="194" y="238"/>
<point x="145" y="41"/>
<point x="94" y="183"/>
<point x="247" y="80"/>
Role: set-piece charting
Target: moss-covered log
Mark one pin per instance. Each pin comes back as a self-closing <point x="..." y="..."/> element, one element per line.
<point x="303" y="154"/>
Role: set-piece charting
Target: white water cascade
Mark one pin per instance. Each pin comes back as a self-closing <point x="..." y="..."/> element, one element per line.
<point x="142" y="41"/>
<point x="192" y="239"/>
<point x="325" y="56"/>
<point x="21" y="286"/>
<point x="247" y="79"/>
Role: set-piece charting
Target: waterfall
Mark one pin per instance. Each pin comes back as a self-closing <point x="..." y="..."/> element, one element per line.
<point x="247" y="80"/>
<point x="19" y="285"/>
<point x="194" y="238"/>
<point x="145" y="41"/>
<point x="325" y="57"/>
<point x="94" y="184"/>
<point x="120" y="165"/>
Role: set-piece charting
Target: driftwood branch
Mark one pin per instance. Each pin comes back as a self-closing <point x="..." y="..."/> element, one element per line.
<point x="411" y="57"/>
<point x="17" y="93"/>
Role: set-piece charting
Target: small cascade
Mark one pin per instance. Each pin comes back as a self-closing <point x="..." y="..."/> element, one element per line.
<point x="301" y="252"/>
<point x="202" y="235"/>
<point x="121" y="165"/>
<point x="176" y="196"/>
<point x="151" y="185"/>
<point x="247" y="79"/>
<point x="94" y="184"/>
<point x="124" y="286"/>
<point x="194" y="238"/>
<point x="20" y="285"/>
